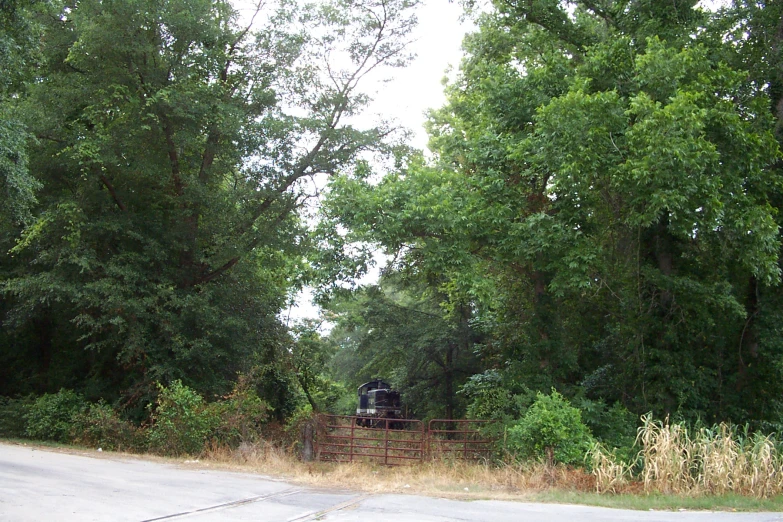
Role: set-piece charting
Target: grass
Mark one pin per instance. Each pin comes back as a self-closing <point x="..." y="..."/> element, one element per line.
<point x="661" y="502"/>
<point x="458" y="480"/>
<point x="468" y="481"/>
<point x="715" y="461"/>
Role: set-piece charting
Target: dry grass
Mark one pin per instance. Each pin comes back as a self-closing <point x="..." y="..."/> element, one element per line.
<point x="710" y="461"/>
<point x="667" y="453"/>
<point x="611" y="475"/>
<point x="531" y="483"/>
<point x="456" y="479"/>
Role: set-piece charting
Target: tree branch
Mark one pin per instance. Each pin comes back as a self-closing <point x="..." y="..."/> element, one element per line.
<point x="600" y="12"/>
<point x="110" y="188"/>
<point x="210" y="276"/>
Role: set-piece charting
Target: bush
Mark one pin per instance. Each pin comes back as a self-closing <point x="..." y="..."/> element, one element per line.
<point x="180" y="421"/>
<point x="343" y="403"/>
<point x="100" y="426"/>
<point x="551" y="430"/>
<point x="51" y="416"/>
<point x="490" y="399"/>
<point x="13" y="414"/>
<point x="614" y="426"/>
<point x="239" y="416"/>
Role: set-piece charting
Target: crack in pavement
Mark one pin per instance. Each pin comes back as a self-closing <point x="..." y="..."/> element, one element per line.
<point x="227" y="505"/>
<point x="315" y="515"/>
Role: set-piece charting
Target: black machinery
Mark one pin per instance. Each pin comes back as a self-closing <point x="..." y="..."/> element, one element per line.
<point x="377" y="400"/>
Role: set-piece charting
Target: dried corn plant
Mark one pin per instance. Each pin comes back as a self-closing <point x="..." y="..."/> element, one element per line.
<point x="611" y="474"/>
<point x="715" y="460"/>
<point x="721" y="459"/>
<point x="667" y="454"/>
<point x="762" y="475"/>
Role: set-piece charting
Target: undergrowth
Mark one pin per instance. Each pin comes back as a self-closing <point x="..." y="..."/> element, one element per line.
<point x="530" y="481"/>
<point x="667" y="458"/>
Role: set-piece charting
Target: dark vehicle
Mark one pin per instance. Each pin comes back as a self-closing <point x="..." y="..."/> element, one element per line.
<point x="377" y="400"/>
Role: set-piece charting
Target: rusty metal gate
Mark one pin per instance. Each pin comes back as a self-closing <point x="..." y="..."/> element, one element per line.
<point x="343" y="438"/>
<point x="461" y="439"/>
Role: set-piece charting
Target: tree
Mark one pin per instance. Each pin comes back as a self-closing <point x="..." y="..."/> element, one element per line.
<point x="172" y="146"/>
<point x="604" y="195"/>
<point x="396" y="330"/>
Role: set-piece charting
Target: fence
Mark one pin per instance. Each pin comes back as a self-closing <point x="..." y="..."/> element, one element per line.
<point x="342" y="438"/>
<point x="458" y="439"/>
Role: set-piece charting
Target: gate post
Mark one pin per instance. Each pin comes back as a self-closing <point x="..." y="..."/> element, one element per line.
<point x="308" y="429"/>
<point x="427" y="437"/>
<point x="353" y="427"/>
<point x="386" y="443"/>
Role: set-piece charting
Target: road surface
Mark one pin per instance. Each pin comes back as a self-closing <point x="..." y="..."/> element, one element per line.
<point x="39" y="485"/>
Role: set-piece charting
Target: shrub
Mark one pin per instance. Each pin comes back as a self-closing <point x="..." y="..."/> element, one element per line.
<point x="551" y="430"/>
<point x="51" y="416"/>
<point x="100" y="426"/>
<point x="13" y="414"/>
<point x="180" y="421"/>
<point x="343" y="403"/>
<point x="613" y="426"/>
<point x="490" y="399"/>
<point x="239" y="416"/>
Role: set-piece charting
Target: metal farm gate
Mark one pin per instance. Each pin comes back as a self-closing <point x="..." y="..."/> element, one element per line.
<point x="343" y="438"/>
<point x="458" y="440"/>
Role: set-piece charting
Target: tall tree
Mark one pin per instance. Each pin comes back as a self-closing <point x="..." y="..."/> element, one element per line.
<point x="172" y="145"/>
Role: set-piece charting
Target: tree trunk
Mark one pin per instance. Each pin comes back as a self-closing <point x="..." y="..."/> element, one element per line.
<point x="449" y="381"/>
<point x="43" y="328"/>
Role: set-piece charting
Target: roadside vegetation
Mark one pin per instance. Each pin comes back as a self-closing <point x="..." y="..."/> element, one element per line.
<point x="549" y="454"/>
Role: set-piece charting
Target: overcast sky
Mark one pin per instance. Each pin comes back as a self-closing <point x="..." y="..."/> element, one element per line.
<point x="418" y="87"/>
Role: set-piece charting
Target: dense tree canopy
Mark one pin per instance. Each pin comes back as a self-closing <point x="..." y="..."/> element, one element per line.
<point x="605" y="198"/>
<point x="167" y="145"/>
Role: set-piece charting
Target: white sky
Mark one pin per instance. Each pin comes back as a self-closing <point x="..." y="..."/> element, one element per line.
<point x="418" y="87"/>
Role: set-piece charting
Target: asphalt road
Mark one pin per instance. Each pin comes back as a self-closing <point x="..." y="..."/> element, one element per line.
<point x="40" y="485"/>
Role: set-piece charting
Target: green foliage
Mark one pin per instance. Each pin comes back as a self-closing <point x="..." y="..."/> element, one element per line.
<point x="239" y="416"/>
<point x="397" y="331"/>
<point x="309" y="354"/>
<point x="551" y="430"/>
<point x="53" y="416"/>
<point x="149" y="208"/>
<point x="613" y="426"/>
<point x="343" y="401"/>
<point x="605" y="196"/>
<point x="181" y="424"/>
<point x="13" y="415"/>
<point x="491" y="399"/>
<point x="17" y="187"/>
<point x="180" y="421"/>
<point x="491" y="403"/>
<point x="100" y="426"/>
